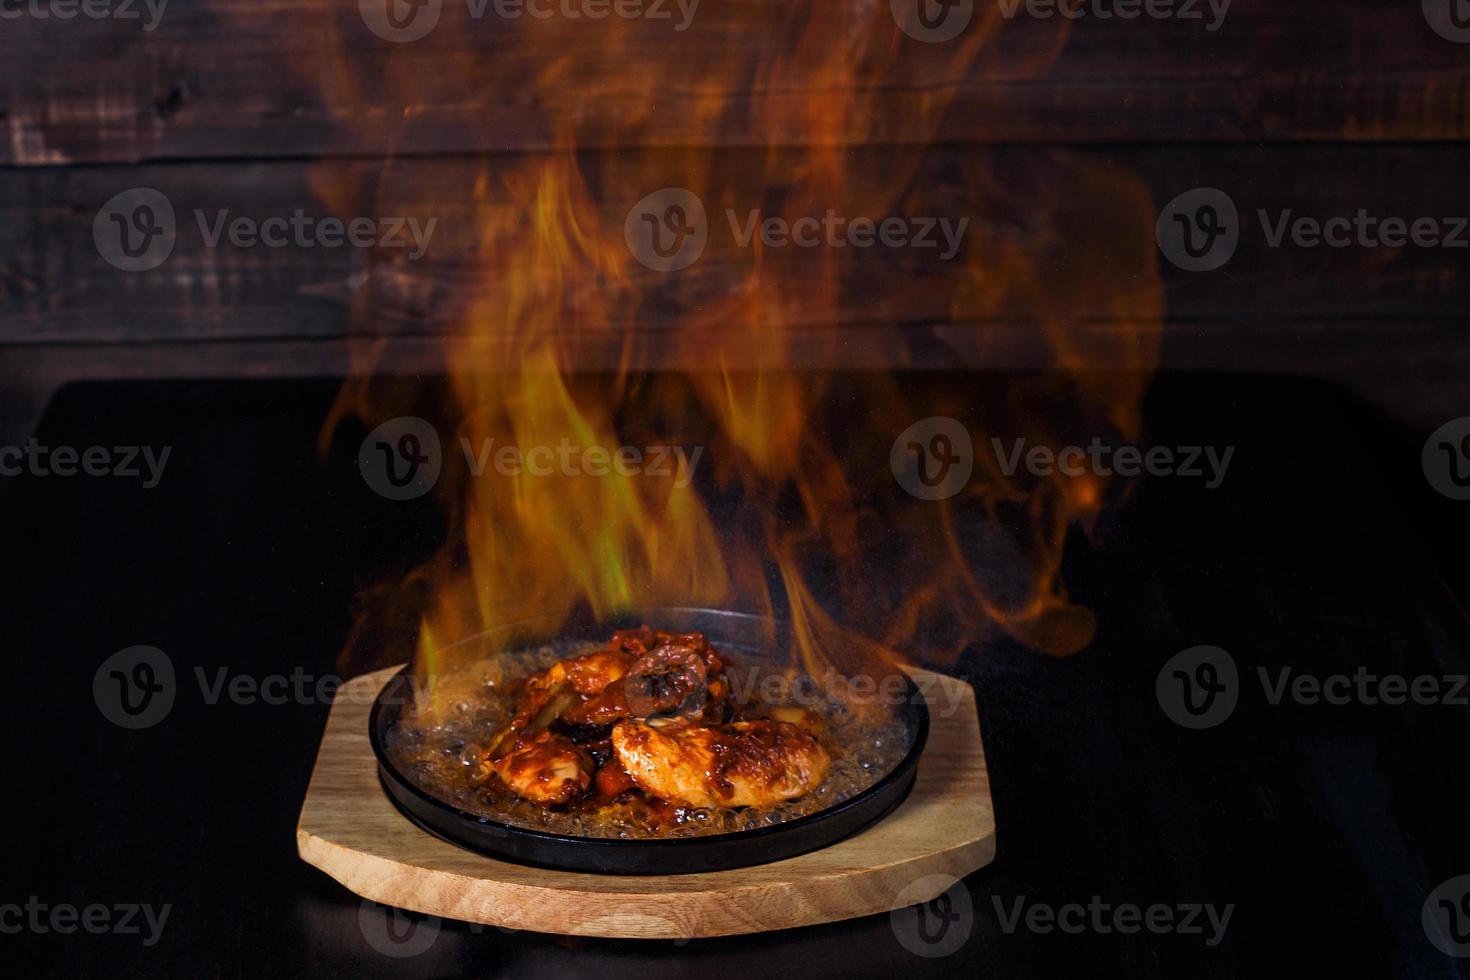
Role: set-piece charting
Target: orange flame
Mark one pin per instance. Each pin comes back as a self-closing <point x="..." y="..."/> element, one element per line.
<point x="797" y="457"/>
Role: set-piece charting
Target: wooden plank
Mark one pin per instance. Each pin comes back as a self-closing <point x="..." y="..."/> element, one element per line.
<point x="944" y="830"/>
<point x="262" y="78"/>
<point x="1056" y="239"/>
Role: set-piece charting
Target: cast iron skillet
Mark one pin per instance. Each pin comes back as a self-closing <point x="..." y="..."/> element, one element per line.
<point x="683" y="855"/>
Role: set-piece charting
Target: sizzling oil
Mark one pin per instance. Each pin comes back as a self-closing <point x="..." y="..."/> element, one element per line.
<point x="441" y="753"/>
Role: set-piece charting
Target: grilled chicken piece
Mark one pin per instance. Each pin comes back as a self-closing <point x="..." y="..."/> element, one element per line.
<point x="560" y="685"/>
<point x="545" y="768"/>
<point x="642" y="673"/>
<point x="668" y="680"/>
<point x="591" y="673"/>
<point x="600" y="711"/>
<point x="747" y="763"/>
<point x="643" y="641"/>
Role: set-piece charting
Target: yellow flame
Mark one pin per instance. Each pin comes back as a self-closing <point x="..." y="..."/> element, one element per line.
<point x="556" y="281"/>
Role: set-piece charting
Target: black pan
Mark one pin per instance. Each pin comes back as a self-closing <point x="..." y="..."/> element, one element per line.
<point x="736" y="632"/>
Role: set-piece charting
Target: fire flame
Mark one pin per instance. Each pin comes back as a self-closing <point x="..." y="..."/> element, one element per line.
<point x="796" y="486"/>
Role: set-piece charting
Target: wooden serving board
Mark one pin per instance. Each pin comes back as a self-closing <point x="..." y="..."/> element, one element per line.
<point x="352" y="831"/>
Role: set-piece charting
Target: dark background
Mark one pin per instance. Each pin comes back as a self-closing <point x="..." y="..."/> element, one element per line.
<point x="1325" y="550"/>
<point x="1326" y="827"/>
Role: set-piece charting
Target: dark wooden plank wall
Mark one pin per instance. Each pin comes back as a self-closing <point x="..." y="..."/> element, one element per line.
<point x="1032" y="211"/>
<point x="264" y="78"/>
<point x="1320" y="108"/>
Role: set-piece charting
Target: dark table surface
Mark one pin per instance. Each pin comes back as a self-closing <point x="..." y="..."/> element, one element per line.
<point x="1322" y="828"/>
